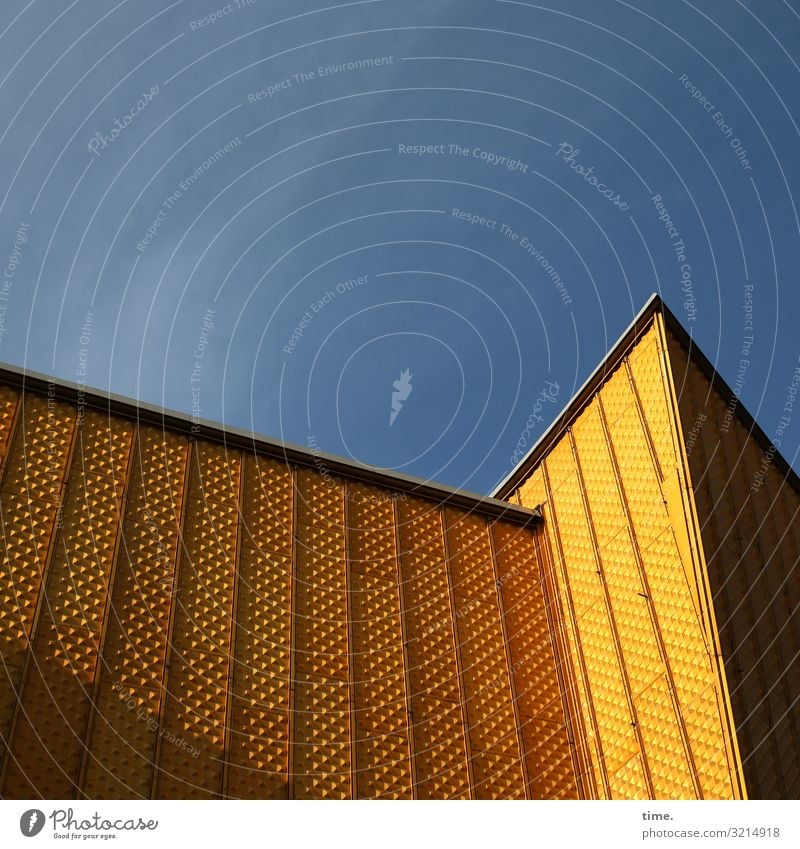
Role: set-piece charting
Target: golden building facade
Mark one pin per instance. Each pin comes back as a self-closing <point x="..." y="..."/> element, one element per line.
<point x="671" y="522"/>
<point x="192" y="613"/>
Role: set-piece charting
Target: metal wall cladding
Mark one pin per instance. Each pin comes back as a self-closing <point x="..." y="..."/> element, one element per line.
<point x="122" y="738"/>
<point x="629" y="603"/>
<point x="748" y="511"/>
<point x="54" y="703"/>
<point x="195" y="688"/>
<point x="181" y="620"/>
<point x="439" y="733"/>
<point x="258" y="708"/>
<point x="495" y="755"/>
<point x="320" y="764"/>
<point x="36" y="443"/>
<point x="379" y="718"/>
<point x="549" y="764"/>
<point x="20" y="551"/>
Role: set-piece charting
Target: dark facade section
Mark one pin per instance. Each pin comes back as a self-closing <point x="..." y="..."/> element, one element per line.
<point x="748" y="503"/>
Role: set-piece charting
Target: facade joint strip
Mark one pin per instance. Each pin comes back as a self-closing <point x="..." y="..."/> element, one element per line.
<point x="351" y="683"/>
<point x="237" y="577"/>
<point x="648" y="436"/>
<point x="13" y="428"/>
<point x="459" y="660"/>
<point x="291" y="730"/>
<point x="180" y="553"/>
<point x="410" y="720"/>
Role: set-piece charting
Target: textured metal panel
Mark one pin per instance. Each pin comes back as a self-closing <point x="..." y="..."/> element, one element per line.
<point x="267" y="508"/>
<point x="537" y="489"/>
<point x="576" y="687"/>
<point x="380" y="721"/>
<point x="29" y="503"/>
<point x="439" y="740"/>
<point x="665" y="761"/>
<point x="191" y="739"/>
<point x="40" y="450"/>
<point x="122" y="741"/>
<point x="10" y="649"/>
<point x="259" y="713"/>
<point x="439" y="747"/>
<point x="592" y="629"/>
<point x="484" y="671"/>
<point x="532" y="665"/>
<point x="629" y="580"/>
<point x="648" y="382"/>
<point x="9" y="399"/>
<point x="599" y="537"/>
<point x="321" y="741"/>
<point x="748" y="513"/>
<point x="328" y="639"/>
<point x="671" y="591"/>
<point x="671" y="639"/>
<point x="48" y="739"/>
<point x="321" y="745"/>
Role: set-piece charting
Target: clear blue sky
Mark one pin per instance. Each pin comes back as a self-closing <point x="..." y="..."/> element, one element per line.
<point x="160" y="161"/>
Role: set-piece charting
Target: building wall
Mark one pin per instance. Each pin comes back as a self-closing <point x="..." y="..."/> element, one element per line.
<point x="186" y="620"/>
<point x="748" y="510"/>
<point x="182" y="619"/>
<point x="643" y="681"/>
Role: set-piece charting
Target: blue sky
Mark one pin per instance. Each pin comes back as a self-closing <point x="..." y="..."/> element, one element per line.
<point x="269" y="211"/>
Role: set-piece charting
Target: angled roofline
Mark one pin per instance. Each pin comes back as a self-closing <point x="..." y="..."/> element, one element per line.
<point x="630" y="335"/>
<point x="83" y="397"/>
<point x="640" y="324"/>
<point x="740" y="412"/>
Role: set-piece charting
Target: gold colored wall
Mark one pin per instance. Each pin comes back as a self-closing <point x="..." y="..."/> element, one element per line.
<point x="631" y="597"/>
<point x="749" y="510"/>
<point x="186" y="620"/>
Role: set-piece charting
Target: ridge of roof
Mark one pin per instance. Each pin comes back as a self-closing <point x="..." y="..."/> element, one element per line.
<point x="641" y="322"/>
<point x="77" y="394"/>
<point x="740" y="412"/>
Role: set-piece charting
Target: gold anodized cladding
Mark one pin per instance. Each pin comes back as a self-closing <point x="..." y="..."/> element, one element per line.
<point x="184" y="617"/>
<point x="212" y="624"/>
<point x="628" y="570"/>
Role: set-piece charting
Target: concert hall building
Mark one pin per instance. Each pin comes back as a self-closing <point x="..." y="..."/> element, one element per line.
<point x="194" y="612"/>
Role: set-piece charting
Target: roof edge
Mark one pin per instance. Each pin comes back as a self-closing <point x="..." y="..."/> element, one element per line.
<point x="572" y="408"/>
<point x="718" y="383"/>
<point x="78" y="395"/>
<point x="641" y="323"/>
